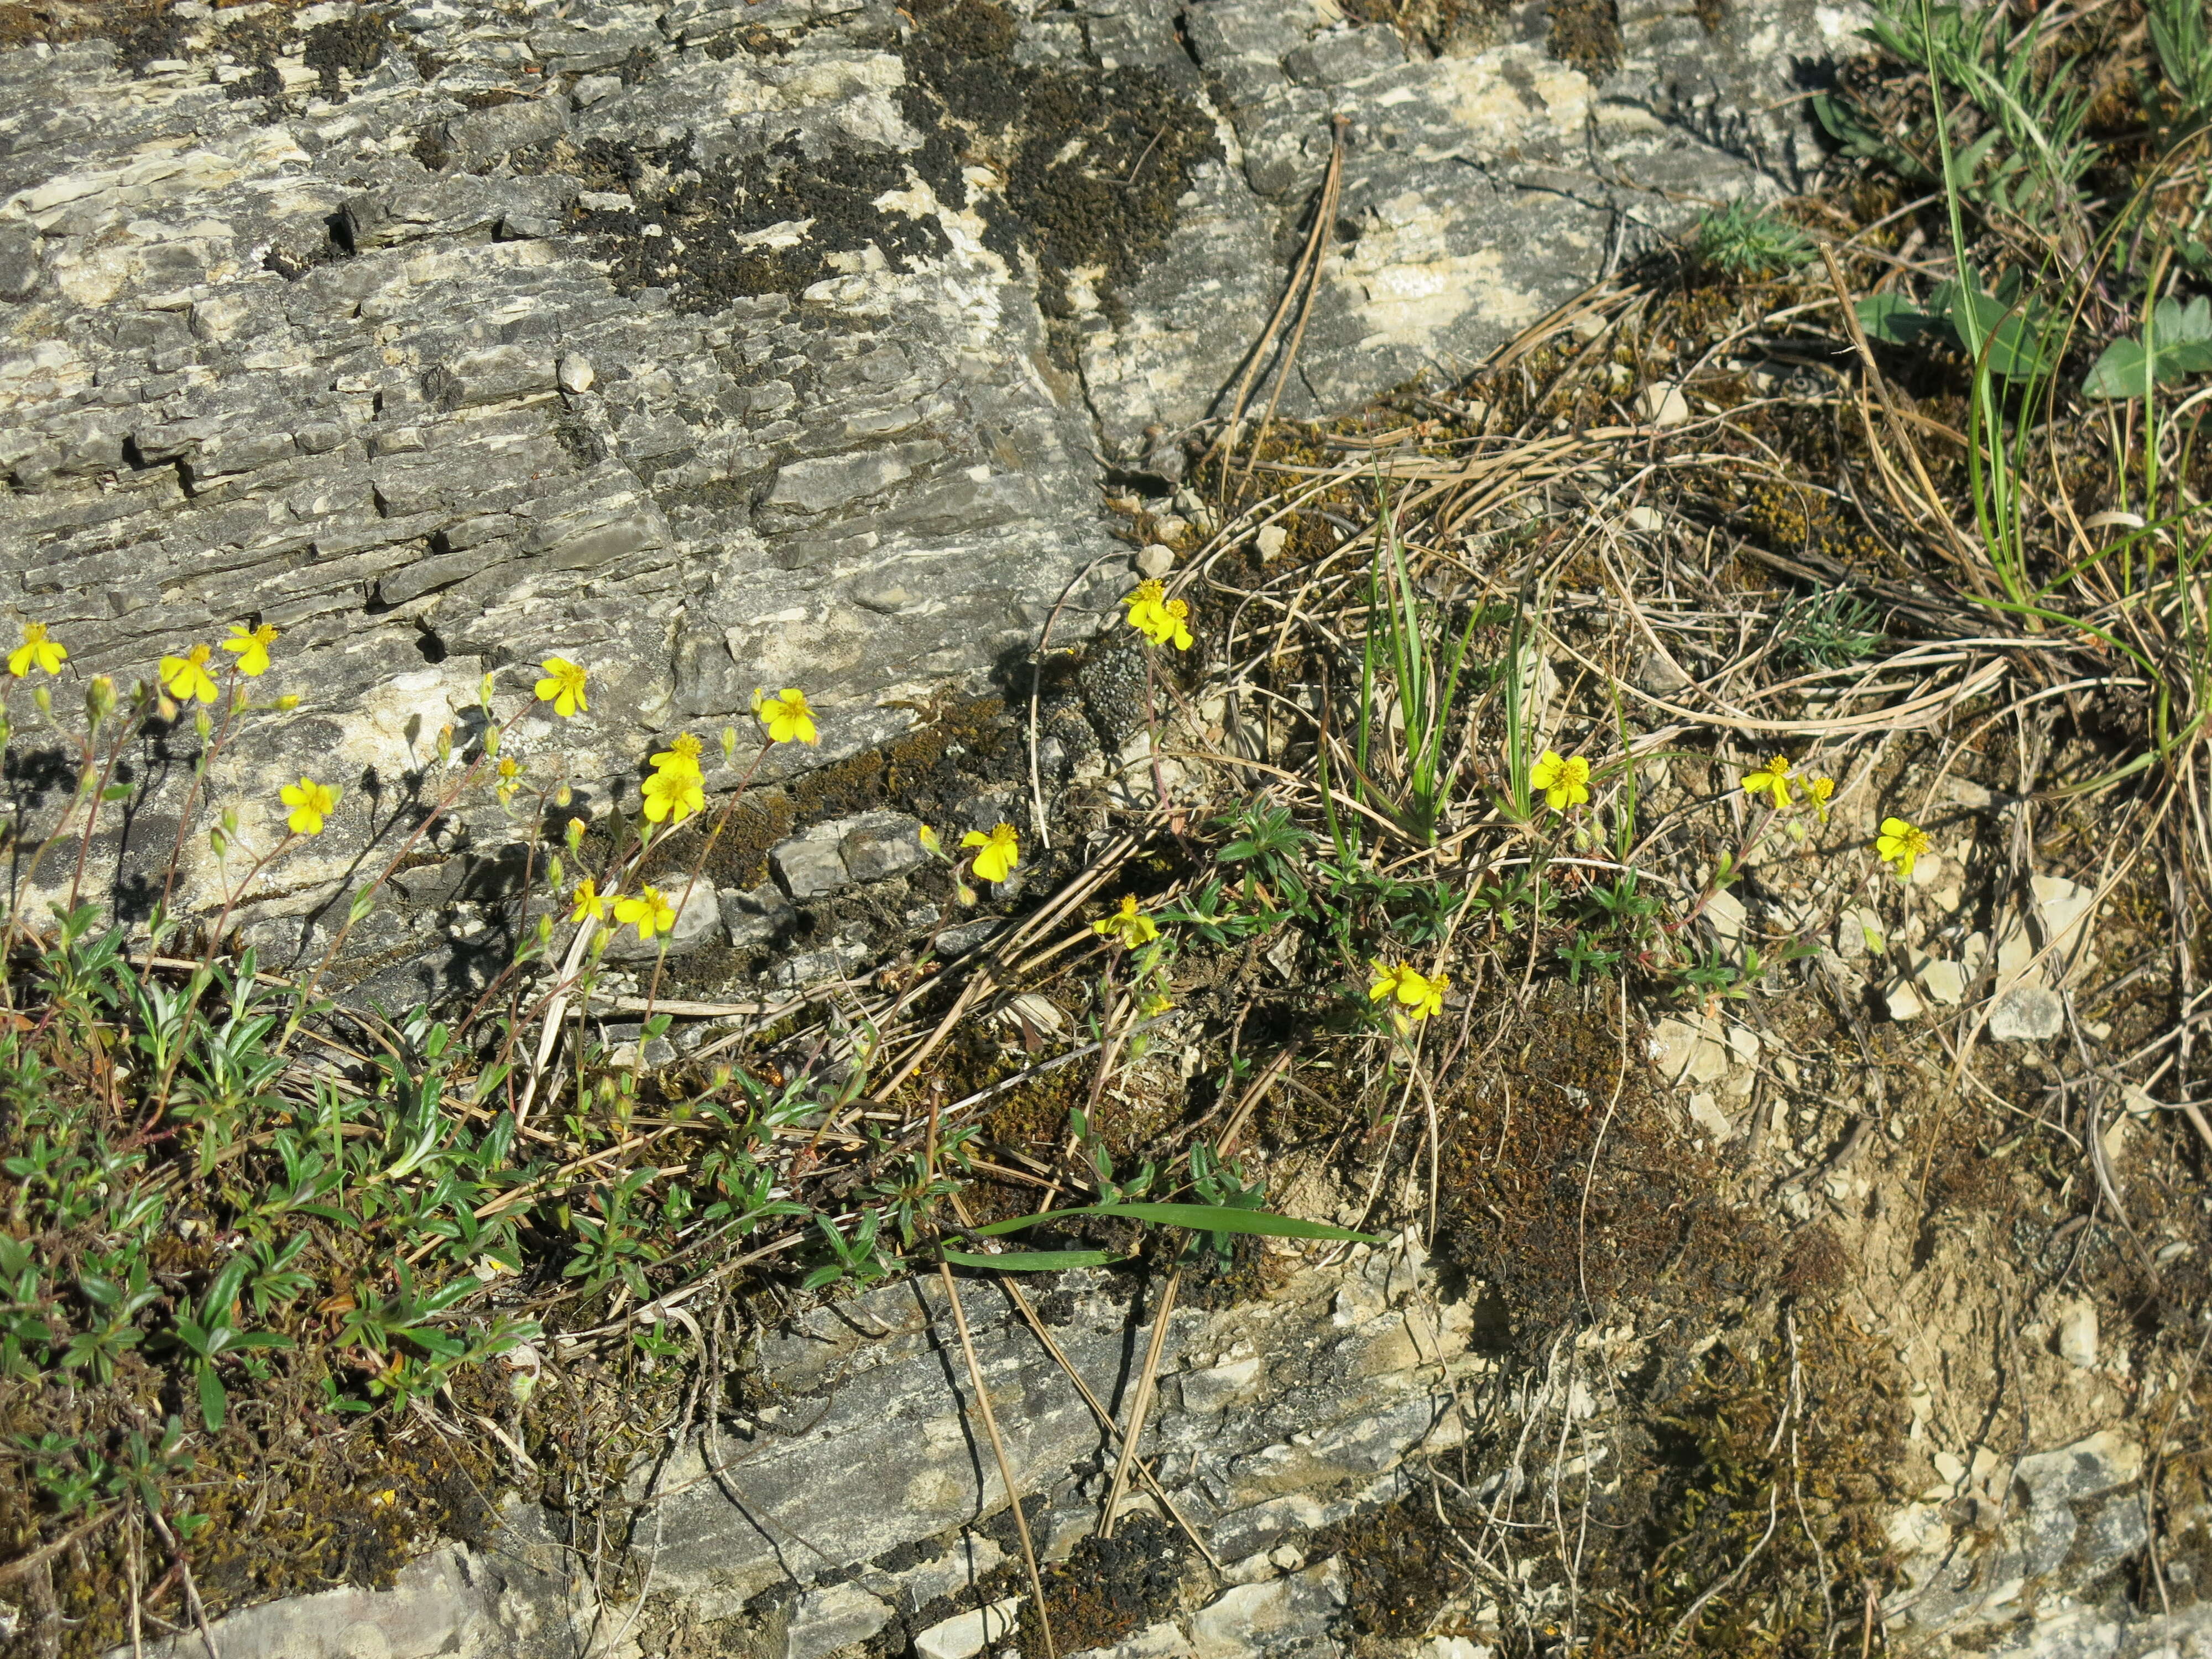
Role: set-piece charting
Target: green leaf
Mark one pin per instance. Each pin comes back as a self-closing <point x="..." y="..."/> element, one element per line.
<point x="2017" y="343"/>
<point x="2180" y="335"/>
<point x="1892" y="319"/>
<point x="213" y="1400"/>
<point x="1201" y="1217"/>
<point x="1035" y="1261"/>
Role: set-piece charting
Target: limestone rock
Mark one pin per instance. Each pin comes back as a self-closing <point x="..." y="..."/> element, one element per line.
<point x="967" y="1634"/>
<point x="675" y="340"/>
<point x="2028" y="1013"/>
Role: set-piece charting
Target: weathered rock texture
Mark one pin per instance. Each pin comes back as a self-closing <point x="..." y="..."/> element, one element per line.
<point x="719" y="345"/>
<point x="858" y="1507"/>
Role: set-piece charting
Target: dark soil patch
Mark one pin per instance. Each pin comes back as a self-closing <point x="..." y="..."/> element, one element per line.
<point x="1559" y="1222"/>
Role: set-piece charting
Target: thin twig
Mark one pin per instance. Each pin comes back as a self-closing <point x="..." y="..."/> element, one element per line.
<point x="999" y="1451"/>
<point x="1142" y="1403"/>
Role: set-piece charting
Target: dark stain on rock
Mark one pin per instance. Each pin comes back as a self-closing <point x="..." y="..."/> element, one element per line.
<point x="355" y="44"/>
<point x="1109" y="1587"/>
<point x="701" y="237"/>
<point x="1093" y="160"/>
<point x="1089" y="162"/>
<point x="1586" y="33"/>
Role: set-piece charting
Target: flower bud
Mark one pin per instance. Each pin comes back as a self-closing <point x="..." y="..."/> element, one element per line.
<point x="545" y="930"/>
<point x="218" y="841"/>
<point x="230" y="819"/>
<point x="729" y="743"/>
<point x="556" y="872"/>
<point x="98" y="698"/>
<point x="45" y="699"/>
<point x="202" y="727"/>
<point x="483" y="693"/>
<point x="575" y="833"/>
<point x="287" y="703"/>
<point x="563" y="795"/>
<point x="445" y="745"/>
<point x="491" y="740"/>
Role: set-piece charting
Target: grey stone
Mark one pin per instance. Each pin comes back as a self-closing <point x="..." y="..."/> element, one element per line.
<point x="492" y="375"/>
<point x="881" y="844"/>
<point x="827" y="1619"/>
<point x="2028" y="1013"/>
<point x="966" y="1634"/>
<point x="574" y="373"/>
<point x="489" y="133"/>
<point x="756" y="916"/>
<point x="1341" y="57"/>
<point x="967" y="936"/>
<point x="817" y="486"/>
<point x="20" y="267"/>
<point x="803" y="969"/>
<point x="809" y="866"/>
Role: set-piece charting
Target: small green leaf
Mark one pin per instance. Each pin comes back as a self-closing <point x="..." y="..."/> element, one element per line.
<point x="1035" y="1261"/>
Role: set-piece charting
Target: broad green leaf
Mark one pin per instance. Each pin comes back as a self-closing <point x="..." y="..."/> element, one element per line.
<point x="1200" y="1218"/>
<point x="2180" y="335"/>
<point x="2017" y="343"/>
<point x="213" y="1400"/>
<point x="1892" y="319"/>
<point x="2122" y="370"/>
<point x="1035" y="1261"/>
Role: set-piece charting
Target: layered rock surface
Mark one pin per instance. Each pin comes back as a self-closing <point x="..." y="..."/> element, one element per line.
<point x="718" y="345"/>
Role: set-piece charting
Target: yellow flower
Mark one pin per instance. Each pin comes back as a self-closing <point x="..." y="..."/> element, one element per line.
<point x="1774" y="781"/>
<point x="1158" y="618"/>
<point x="1413" y="995"/>
<point x="563" y="687"/>
<point x="590" y="902"/>
<point x="930" y="844"/>
<point x="1818" y="790"/>
<point x="1146" y="606"/>
<point x="510" y="772"/>
<point x="649" y="912"/>
<point x="1173" y="626"/>
<point x="1564" y="782"/>
<point x="186" y="676"/>
<point x="1000" y="851"/>
<point x="680" y="756"/>
<point x="787" y="715"/>
<point x="1128" y="929"/>
<point x="36" y="651"/>
<point x="250" y="647"/>
<point x="672" y="792"/>
<point x="1900" y="843"/>
<point x="311" y="802"/>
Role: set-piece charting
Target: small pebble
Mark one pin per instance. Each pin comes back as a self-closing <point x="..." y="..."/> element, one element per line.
<point x="1155" y="560"/>
<point x="573" y="373"/>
